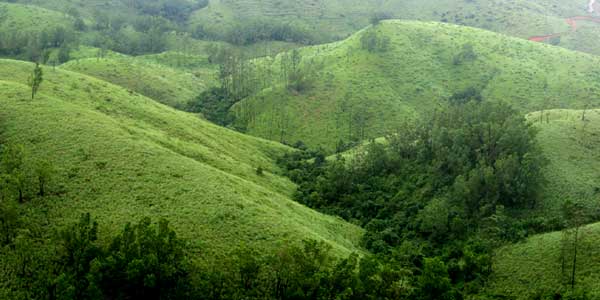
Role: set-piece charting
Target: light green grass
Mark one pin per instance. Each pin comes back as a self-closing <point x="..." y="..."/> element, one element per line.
<point x="572" y="147"/>
<point x="521" y="271"/>
<point x="121" y="156"/>
<point x="165" y="84"/>
<point x="412" y="77"/>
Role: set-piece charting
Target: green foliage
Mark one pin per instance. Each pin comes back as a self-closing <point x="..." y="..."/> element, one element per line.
<point x="469" y="94"/>
<point x="43" y="171"/>
<point x="77" y="251"/>
<point x="175" y="10"/>
<point x="373" y="41"/>
<point x="443" y="183"/>
<point x="465" y="56"/>
<point x="35" y="80"/>
<point x="144" y="261"/>
<point x="14" y="171"/>
<point x="9" y="221"/>
<point x="434" y="282"/>
<point x="255" y="30"/>
<point x="298" y="74"/>
<point x="19" y="175"/>
<point x="260" y="171"/>
<point x="214" y="105"/>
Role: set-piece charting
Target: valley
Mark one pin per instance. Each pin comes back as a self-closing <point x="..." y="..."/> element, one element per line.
<point x="296" y="150"/>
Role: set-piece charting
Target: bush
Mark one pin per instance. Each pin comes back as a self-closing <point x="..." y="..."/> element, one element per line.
<point x="373" y="41"/>
<point x="214" y="105"/>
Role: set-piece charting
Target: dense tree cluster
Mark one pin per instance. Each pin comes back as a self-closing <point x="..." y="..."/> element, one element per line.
<point x="214" y="105"/>
<point x="249" y="31"/>
<point x="174" y="10"/>
<point x="240" y="77"/>
<point x="148" y="261"/>
<point x="373" y="41"/>
<point x="442" y="188"/>
<point x="48" y="46"/>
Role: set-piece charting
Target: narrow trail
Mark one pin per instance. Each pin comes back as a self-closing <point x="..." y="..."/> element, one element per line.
<point x="572" y="21"/>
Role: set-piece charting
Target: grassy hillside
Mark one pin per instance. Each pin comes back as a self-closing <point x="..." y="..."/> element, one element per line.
<point x="339" y="18"/>
<point x="121" y="156"/>
<point x="164" y="84"/>
<point x="358" y="94"/>
<point x="525" y="270"/>
<point x="572" y="148"/>
<point x="24" y="19"/>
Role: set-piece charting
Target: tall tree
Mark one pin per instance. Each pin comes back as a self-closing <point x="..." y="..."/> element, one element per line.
<point x="35" y="80"/>
<point x="13" y="166"/>
<point x="43" y="172"/>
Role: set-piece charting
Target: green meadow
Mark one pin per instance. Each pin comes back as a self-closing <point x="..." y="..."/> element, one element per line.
<point x="120" y="156"/>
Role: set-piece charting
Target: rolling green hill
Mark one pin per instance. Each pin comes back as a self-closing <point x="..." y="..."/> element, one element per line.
<point x="162" y="83"/>
<point x="572" y="148"/>
<point x="121" y="156"/>
<point x="358" y="94"/>
<point x="339" y="18"/>
<point x="528" y="269"/>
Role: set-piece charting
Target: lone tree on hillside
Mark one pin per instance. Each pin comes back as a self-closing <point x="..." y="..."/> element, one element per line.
<point x="43" y="171"/>
<point x="35" y="80"/>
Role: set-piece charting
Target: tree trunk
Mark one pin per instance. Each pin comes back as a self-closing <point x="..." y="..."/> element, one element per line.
<point x="42" y="185"/>
<point x="574" y="258"/>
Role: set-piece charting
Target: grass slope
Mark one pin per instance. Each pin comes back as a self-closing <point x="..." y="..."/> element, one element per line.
<point x="121" y="156"/>
<point x="358" y="94"/>
<point x="165" y="84"/>
<point x="26" y="19"/>
<point x="523" y="270"/>
<point x="572" y="147"/>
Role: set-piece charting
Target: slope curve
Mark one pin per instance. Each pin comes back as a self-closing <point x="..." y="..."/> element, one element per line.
<point x="121" y="156"/>
<point x="359" y="94"/>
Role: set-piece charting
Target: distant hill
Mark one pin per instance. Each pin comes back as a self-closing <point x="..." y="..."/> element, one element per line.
<point x="120" y="156"/>
<point x="358" y="94"/>
<point x="339" y="18"/>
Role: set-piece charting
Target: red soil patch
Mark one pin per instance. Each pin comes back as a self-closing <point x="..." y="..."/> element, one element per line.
<point x="572" y="23"/>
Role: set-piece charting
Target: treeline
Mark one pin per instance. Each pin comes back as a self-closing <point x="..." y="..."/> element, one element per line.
<point x="48" y="46"/>
<point x="438" y="193"/>
<point x="250" y="31"/>
<point x="149" y="261"/>
<point x="175" y="10"/>
<point x="241" y="77"/>
<point x="137" y="27"/>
